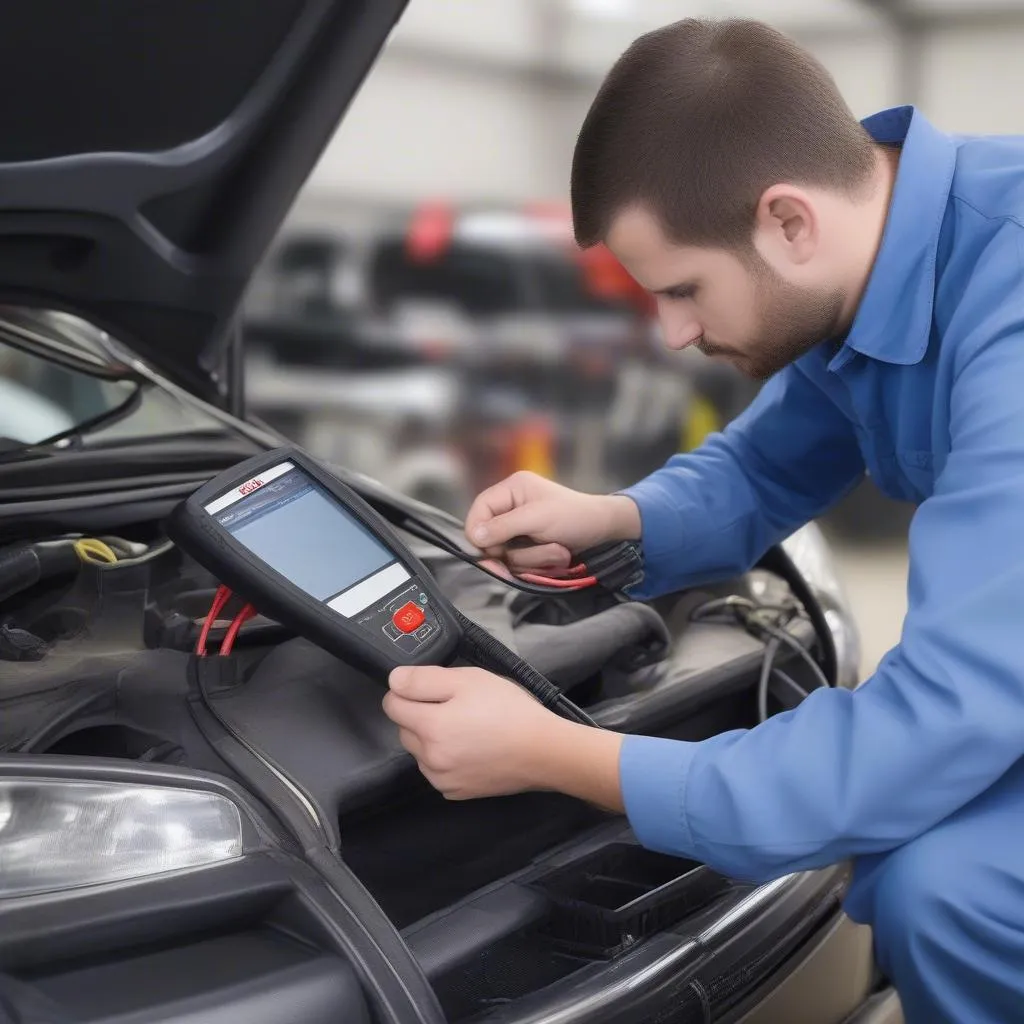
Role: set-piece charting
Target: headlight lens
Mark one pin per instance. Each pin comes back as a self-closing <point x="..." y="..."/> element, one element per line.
<point x="57" y="834"/>
<point x="812" y="556"/>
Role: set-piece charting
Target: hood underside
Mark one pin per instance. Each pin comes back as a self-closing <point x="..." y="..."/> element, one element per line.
<point x="149" y="152"/>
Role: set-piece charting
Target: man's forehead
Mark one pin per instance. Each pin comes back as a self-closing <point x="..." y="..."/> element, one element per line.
<point x="657" y="264"/>
<point x="635" y="231"/>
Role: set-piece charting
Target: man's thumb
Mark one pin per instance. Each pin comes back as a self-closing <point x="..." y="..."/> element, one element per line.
<point x="427" y="683"/>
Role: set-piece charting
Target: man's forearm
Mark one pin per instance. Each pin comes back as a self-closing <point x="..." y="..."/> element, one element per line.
<point x="711" y="513"/>
<point x="579" y="761"/>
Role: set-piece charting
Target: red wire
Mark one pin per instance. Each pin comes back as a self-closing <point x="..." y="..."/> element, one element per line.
<point x="575" y="577"/>
<point x="220" y="599"/>
<point x="233" y="630"/>
<point x="576" y="583"/>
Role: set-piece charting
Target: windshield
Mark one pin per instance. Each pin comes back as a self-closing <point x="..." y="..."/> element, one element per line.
<point x="41" y="401"/>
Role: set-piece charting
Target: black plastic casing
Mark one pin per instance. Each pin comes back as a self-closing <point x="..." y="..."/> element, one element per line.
<point x="198" y="533"/>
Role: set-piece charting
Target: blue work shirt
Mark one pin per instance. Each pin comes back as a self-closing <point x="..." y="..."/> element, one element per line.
<point x="927" y="394"/>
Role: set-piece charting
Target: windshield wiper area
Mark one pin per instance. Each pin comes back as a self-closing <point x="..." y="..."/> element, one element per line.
<point x="14" y="450"/>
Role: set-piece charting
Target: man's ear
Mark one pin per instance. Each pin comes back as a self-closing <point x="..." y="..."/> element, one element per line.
<point x="786" y="225"/>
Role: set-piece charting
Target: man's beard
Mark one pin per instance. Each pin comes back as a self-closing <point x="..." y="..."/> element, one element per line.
<point x="792" y="322"/>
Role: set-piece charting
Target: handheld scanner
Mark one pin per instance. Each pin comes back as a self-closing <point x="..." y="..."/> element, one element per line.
<point x="304" y="549"/>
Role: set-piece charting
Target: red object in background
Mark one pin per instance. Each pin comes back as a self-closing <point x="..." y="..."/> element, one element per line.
<point x="433" y="224"/>
<point x="430" y="231"/>
<point x="606" y="277"/>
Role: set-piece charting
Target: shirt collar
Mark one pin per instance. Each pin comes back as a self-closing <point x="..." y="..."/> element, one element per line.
<point x="893" y="321"/>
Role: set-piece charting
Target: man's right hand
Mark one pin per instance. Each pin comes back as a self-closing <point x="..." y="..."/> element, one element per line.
<point x="547" y="522"/>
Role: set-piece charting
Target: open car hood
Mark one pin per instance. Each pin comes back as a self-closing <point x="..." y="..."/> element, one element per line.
<point x="149" y="152"/>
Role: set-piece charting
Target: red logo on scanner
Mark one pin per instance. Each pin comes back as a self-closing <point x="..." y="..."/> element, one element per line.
<point x="249" y="486"/>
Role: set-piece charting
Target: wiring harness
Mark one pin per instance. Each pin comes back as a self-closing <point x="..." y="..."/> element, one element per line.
<point x="767" y="623"/>
<point x="24" y="565"/>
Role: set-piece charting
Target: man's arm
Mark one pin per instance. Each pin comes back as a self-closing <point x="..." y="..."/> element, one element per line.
<point x="853" y="773"/>
<point x="710" y="514"/>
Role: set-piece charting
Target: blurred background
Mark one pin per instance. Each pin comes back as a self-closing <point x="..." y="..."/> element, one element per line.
<point x="425" y="317"/>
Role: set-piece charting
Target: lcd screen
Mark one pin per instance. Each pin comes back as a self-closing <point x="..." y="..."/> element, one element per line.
<point x="303" y="533"/>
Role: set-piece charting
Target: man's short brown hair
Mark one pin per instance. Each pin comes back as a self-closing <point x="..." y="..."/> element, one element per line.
<point x="697" y="119"/>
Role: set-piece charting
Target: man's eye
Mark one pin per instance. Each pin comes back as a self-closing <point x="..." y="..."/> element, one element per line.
<point x="682" y="293"/>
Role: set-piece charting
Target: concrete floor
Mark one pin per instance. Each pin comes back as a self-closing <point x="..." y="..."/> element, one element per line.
<point x="876" y="581"/>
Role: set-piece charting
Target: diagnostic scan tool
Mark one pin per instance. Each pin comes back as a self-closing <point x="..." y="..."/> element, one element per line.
<point x="303" y="548"/>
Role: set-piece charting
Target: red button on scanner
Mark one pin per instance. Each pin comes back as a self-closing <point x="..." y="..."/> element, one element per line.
<point x="409" y="617"/>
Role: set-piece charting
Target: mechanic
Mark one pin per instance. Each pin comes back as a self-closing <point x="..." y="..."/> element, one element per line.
<point x="871" y="273"/>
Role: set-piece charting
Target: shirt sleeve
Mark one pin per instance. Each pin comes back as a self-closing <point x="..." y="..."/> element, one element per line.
<point x="712" y="513"/>
<point x="850" y="773"/>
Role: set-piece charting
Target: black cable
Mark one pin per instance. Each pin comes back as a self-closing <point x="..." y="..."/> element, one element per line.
<point x="438" y="539"/>
<point x="786" y="678"/>
<point x="480" y="648"/>
<point x="766" y="623"/>
<point x="767" y="665"/>
<point x="777" y="560"/>
<point x="616" y="564"/>
<point x="791" y="641"/>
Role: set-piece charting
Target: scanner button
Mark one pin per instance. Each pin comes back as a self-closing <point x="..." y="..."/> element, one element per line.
<point x="409" y="617"/>
<point x="424" y="631"/>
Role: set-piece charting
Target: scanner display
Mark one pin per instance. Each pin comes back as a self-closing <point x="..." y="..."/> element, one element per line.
<point x="299" y="530"/>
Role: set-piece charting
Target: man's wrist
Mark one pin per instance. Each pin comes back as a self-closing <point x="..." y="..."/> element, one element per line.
<point x="624" y="518"/>
<point x="579" y="761"/>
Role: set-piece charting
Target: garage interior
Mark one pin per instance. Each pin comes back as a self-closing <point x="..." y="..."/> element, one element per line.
<point x="467" y="126"/>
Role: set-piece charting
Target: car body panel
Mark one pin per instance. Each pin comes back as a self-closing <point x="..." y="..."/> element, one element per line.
<point x="142" y="185"/>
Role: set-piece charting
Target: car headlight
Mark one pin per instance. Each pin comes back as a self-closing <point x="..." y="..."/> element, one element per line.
<point x="811" y="554"/>
<point x="60" y="834"/>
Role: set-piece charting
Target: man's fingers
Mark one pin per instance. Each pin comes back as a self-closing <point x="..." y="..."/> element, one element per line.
<point x="531" y="520"/>
<point x="411" y="742"/>
<point x="497" y="566"/>
<point x="540" y="556"/>
<point x="495" y="501"/>
<point x="426" y="683"/>
<point x="406" y="714"/>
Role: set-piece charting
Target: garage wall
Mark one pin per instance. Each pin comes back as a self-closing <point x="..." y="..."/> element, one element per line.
<point x="973" y="79"/>
<point x="455" y="106"/>
<point x="482" y="99"/>
<point x="423" y="129"/>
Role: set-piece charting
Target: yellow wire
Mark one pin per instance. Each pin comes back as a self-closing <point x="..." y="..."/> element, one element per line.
<point x="89" y="549"/>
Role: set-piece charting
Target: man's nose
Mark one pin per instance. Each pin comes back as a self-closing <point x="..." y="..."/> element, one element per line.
<point x="680" y="332"/>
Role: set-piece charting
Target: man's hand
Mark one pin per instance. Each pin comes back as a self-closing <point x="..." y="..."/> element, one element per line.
<point x="557" y="520"/>
<point x="474" y="734"/>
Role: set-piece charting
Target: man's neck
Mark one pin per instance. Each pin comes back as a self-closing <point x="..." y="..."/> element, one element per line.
<point x="867" y="228"/>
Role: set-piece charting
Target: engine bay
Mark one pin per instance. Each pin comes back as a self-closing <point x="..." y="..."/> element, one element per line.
<point x="100" y="662"/>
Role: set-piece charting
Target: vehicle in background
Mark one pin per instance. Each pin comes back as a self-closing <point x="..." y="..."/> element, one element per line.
<point x="551" y="353"/>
